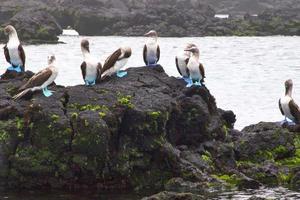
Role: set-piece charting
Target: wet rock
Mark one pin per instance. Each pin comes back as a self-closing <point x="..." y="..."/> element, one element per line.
<point x="295" y="180"/>
<point x="173" y="195"/>
<point x="256" y="198"/>
<point x="179" y="185"/>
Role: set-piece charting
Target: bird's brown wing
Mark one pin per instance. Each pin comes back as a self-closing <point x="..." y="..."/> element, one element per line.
<point x="6" y="53"/>
<point x="99" y="69"/>
<point x="187" y="61"/>
<point x="145" y="54"/>
<point x="111" y="60"/>
<point x="177" y="66"/>
<point x="38" y="79"/>
<point x="280" y="108"/>
<point x="187" y="69"/>
<point x="158" y="53"/>
<point x="83" y="69"/>
<point x="202" y="71"/>
<point x="294" y="108"/>
<point x="22" y="55"/>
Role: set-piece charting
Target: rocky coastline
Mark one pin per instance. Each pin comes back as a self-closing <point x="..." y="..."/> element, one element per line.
<point x="146" y="132"/>
<point x="42" y="21"/>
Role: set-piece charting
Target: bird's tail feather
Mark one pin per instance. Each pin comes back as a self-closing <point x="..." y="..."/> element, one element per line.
<point x="21" y="94"/>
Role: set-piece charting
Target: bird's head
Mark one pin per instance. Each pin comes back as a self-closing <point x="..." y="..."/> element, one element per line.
<point x="51" y="59"/>
<point x="288" y="84"/>
<point x="9" y="30"/>
<point x="152" y="33"/>
<point x="85" y="45"/>
<point x="194" y="49"/>
<point x="127" y="51"/>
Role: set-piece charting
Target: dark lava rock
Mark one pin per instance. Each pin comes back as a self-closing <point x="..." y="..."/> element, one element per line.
<point x="263" y="141"/>
<point x="117" y="134"/>
<point x="179" y="185"/>
<point x="268" y="153"/>
<point x="256" y="198"/>
<point x="35" y="26"/>
<point x="144" y="131"/>
<point x="295" y="180"/>
<point x="176" y="18"/>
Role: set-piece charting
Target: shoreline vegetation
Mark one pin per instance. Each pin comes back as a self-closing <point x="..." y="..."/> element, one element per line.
<point x="146" y="132"/>
<point x="43" y="22"/>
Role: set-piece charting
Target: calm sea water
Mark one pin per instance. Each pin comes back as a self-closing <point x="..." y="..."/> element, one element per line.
<point x="245" y="74"/>
<point x="272" y="194"/>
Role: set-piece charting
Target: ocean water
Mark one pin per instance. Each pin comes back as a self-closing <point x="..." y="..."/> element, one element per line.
<point x="278" y="193"/>
<point x="245" y="74"/>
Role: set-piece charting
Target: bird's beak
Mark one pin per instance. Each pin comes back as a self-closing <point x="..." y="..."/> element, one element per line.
<point x="188" y="49"/>
<point x="147" y="34"/>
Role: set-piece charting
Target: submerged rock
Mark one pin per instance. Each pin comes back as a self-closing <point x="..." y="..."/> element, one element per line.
<point x="173" y="195"/>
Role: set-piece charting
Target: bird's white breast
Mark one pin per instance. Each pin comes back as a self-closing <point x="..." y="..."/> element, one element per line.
<point x="193" y="67"/>
<point x="152" y="49"/>
<point x="13" y="46"/>
<point x="284" y="101"/>
<point x="181" y="57"/>
<point x="91" y="68"/>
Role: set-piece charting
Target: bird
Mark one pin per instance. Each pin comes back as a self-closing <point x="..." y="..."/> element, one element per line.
<point x="196" y="69"/>
<point x="90" y="67"/>
<point x="115" y="62"/>
<point x="41" y="80"/>
<point x="151" y="51"/>
<point x="13" y="50"/>
<point x="182" y="60"/>
<point x="287" y="105"/>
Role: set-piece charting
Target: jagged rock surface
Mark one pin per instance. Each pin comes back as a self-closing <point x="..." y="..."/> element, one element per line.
<point x="144" y="131"/>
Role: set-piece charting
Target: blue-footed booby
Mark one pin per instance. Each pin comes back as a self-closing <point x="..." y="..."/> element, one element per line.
<point x="115" y="62"/>
<point x="90" y="67"/>
<point x="151" y="52"/>
<point x="182" y="60"/>
<point x="41" y="80"/>
<point x="13" y="50"/>
<point x="196" y="69"/>
<point x="287" y="105"/>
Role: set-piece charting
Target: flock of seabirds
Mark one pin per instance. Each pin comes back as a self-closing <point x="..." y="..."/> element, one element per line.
<point x="187" y="63"/>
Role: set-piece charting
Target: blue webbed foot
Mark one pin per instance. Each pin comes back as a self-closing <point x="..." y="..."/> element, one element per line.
<point x="187" y="80"/>
<point x="287" y="122"/>
<point x="121" y="74"/>
<point x="198" y="83"/>
<point x="154" y="64"/>
<point x="189" y="84"/>
<point x="88" y="83"/>
<point x="17" y="69"/>
<point x="47" y="93"/>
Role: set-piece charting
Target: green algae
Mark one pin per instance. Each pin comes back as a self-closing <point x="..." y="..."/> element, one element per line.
<point x="89" y="107"/>
<point x="125" y="101"/>
<point x="55" y="117"/>
<point x="154" y="115"/>
<point x="233" y="180"/>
